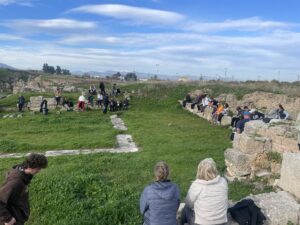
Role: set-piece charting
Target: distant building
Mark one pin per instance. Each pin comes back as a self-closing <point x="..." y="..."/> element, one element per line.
<point x="183" y="79"/>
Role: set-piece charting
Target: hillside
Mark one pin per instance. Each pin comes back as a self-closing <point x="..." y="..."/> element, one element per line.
<point x="8" y="77"/>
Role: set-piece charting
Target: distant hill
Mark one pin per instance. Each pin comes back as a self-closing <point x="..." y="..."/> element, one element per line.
<point x="4" y="66"/>
<point x="9" y="76"/>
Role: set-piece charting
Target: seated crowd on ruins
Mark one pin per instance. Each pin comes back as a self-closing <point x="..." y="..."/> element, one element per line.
<point x="100" y="99"/>
<point x="240" y="118"/>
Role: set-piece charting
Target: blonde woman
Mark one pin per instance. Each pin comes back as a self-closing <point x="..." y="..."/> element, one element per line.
<point x="207" y="198"/>
<point x="160" y="200"/>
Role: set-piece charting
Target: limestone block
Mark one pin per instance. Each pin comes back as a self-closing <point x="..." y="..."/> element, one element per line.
<point x="238" y="163"/>
<point x="279" y="208"/>
<point x="251" y="145"/>
<point x="252" y="126"/>
<point x="226" y="120"/>
<point x="290" y="174"/>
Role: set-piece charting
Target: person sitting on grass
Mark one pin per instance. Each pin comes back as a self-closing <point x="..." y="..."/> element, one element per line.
<point x="125" y="104"/>
<point x="14" y="196"/>
<point x="160" y="200"/>
<point x="207" y="198"/>
<point x="187" y="99"/>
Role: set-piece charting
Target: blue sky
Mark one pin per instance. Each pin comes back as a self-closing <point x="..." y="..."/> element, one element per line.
<point x="237" y="39"/>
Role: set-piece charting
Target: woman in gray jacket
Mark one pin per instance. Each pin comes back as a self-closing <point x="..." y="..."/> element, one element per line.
<point x="160" y="200"/>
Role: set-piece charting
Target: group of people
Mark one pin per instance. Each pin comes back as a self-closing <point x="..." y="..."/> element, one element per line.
<point x="244" y="115"/>
<point x="206" y="201"/>
<point x="203" y="101"/>
<point x="103" y="102"/>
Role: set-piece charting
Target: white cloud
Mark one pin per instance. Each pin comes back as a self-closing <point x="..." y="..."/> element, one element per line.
<point x="247" y="24"/>
<point x="8" y="37"/>
<point x="59" y="26"/>
<point x="48" y="25"/>
<point x="18" y="2"/>
<point x="137" y="15"/>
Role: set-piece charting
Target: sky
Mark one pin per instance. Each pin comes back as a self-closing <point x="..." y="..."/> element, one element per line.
<point x="231" y="39"/>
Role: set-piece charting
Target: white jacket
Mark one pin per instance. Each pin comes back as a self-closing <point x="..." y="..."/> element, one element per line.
<point x="209" y="199"/>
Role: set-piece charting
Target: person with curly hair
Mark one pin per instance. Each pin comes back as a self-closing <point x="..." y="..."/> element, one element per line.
<point x="14" y="196"/>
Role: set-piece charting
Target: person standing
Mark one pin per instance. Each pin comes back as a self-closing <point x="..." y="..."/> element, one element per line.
<point x="105" y="103"/>
<point x="21" y="102"/>
<point x="102" y="87"/>
<point x="160" y="200"/>
<point x="14" y="196"/>
<point x="81" y="102"/>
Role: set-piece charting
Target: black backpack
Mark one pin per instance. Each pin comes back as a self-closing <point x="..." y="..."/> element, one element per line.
<point x="245" y="212"/>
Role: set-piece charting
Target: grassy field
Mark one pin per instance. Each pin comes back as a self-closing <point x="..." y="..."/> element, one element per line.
<point x="105" y="188"/>
<point x="69" y="130"/>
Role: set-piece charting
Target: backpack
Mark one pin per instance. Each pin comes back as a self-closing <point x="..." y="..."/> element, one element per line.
<point x="245" y="212"/>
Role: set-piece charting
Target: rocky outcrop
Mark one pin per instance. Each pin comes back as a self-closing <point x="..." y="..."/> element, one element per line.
<point x="290" y="174"/>
<point x="257" y="151"/>
<point x="278" y="208"/>
<point x="35" y="103"/>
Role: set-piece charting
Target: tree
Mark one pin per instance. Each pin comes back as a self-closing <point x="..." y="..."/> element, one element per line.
<point x="58" y="70"/>
<point x="45" y="68"/>
<point x="66" y="72"/>
<point x="116" y="76"/>
<point x="130" y="77"/>
<point x="51" y="69"/>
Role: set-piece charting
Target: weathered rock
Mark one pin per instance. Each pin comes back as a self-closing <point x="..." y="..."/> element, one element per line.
<point x="279" y="208"/>
<point x="290" y="174"/>
<point x="252" y="126"/>
<point x="251" y="145"/>
<point x="35" y="103"/>
<point x="238" y="163"/>
<point x="226" y="120"/>
<point x="118" y="123"/>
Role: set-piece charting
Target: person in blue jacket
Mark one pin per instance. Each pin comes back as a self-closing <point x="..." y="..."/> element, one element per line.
<point x="160" y="200"/>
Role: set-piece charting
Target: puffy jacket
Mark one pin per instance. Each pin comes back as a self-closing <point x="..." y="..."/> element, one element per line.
<point x="159" y="203"/>
<point x="14" y="201"/>
<point x="209" y="200"/>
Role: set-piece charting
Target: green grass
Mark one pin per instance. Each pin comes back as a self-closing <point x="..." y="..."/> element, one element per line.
<point x="105" y="188"/>
<point x="69" y="130"/>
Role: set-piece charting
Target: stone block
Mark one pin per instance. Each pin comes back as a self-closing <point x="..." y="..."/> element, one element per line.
<point x="290" y="174"/>
<point x="226" y="120"/>
<point x="251" y="145"/>
<point x="252" y="126"/>
<point x="279" y="208"/>
<point x="238" y="163"/>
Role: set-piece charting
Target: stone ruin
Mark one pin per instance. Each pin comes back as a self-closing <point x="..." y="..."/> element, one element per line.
<point x="263" y="101"/>
<point x="267" y="151"/>
<point x="35" y="103"/>
<point x="39" y="85"/>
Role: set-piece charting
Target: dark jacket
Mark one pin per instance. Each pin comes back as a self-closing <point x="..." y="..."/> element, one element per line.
<point x="159" y="203"/>
<point x="14" y="198"/>
<point x="246" y="212"/>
